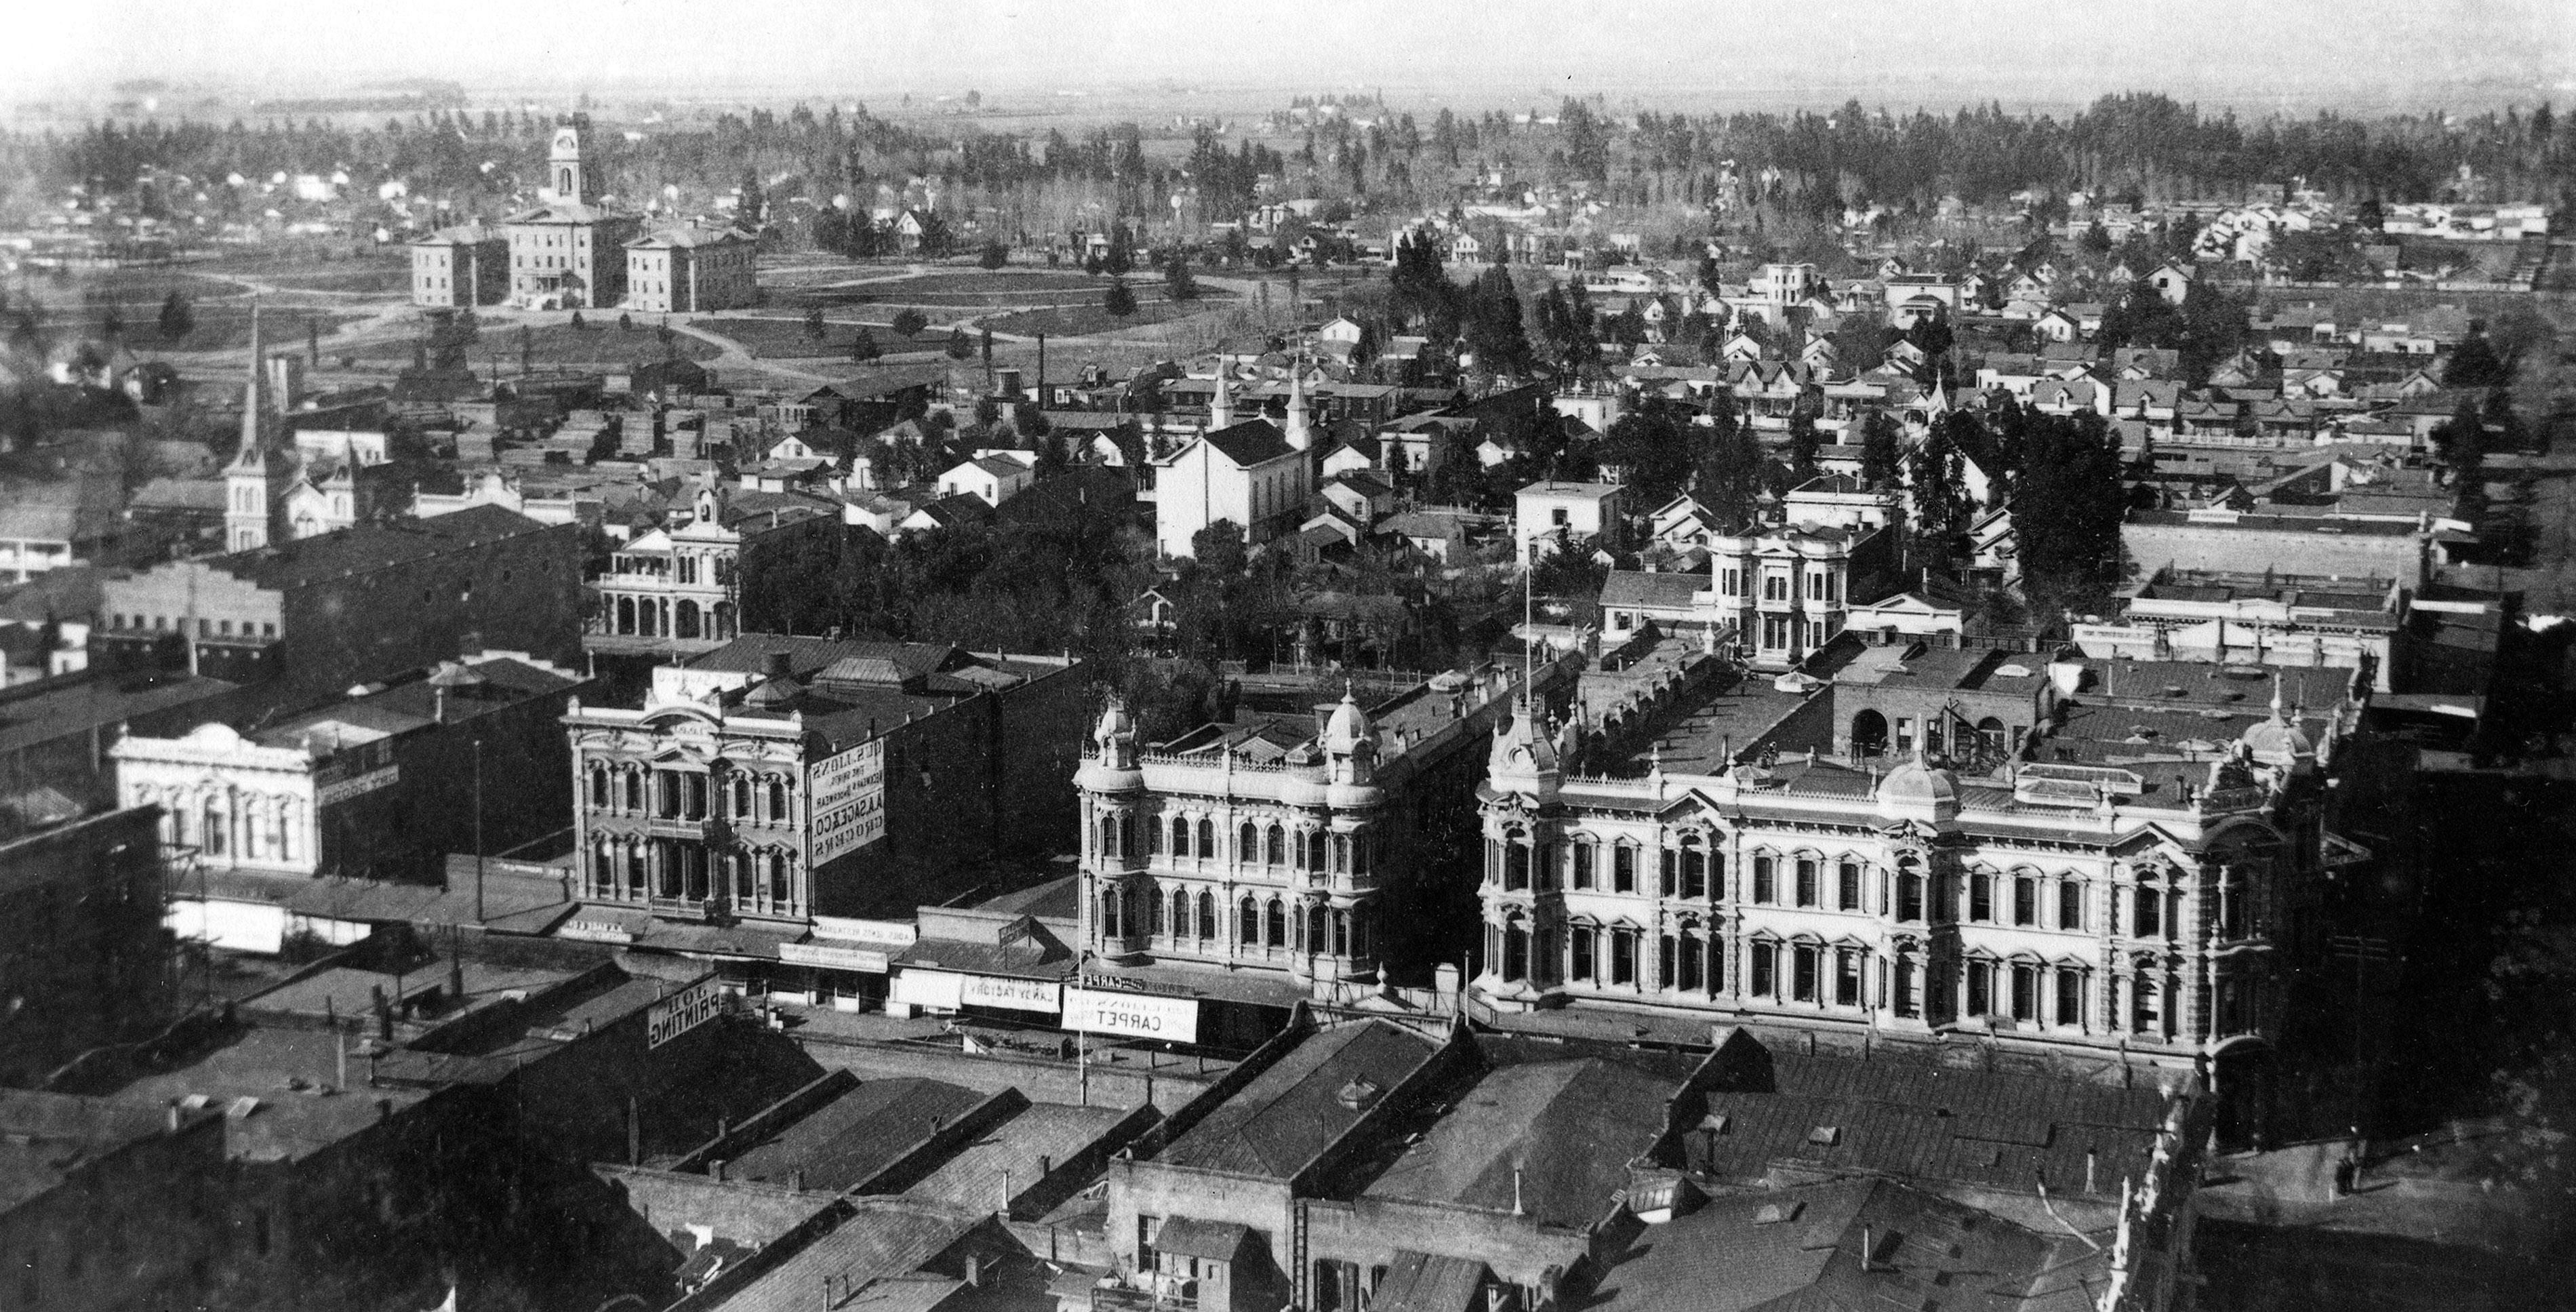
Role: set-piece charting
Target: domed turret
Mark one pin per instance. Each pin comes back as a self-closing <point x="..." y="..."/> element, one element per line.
<point x="1524" y="758"/>
<point x="1918" y="790"/>
<point x="1115" y="768"/>
<point x="1350" y="755"/>
<point x="2277" y="741"/>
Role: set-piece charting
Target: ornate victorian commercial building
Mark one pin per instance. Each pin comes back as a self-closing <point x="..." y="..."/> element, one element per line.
<point x="2139" y="911"/>
<point x="1266" y="848"/>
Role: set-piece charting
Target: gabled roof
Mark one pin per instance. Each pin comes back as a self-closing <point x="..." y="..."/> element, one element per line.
<point x="688" y="235"/>
<point x="1657" y="590"/>
<point x="1252" y="442"/>
<point x="1284" y="1118"/>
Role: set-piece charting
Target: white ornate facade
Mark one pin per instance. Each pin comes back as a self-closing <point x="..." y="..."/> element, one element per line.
<point x="242" y="806"/>
<point x="2068" y="907"/>
<point x="694" y="805"/>
<point x="678" y="583"/>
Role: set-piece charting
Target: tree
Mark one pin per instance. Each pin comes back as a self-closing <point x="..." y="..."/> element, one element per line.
<point x="2096" y="238"/>
<point x="2067" y="502"/>
<point x="1121" y="259"/>
<point x="1219" y="549"/>
<point x="1493" y="324"/>
<point x="909" y="322"/>
<point x="993" y="256"/>
<point x="2461" y="440"/>
<point x="577" y="324"/>
<point x="177" y="319"/>
<point x="1119" y="301"/>
<point x="1878" y="449"/>
<point x="959" y="347"/>
<point x="1177" y="281"/>
<point x="2474" y="363"/>
<point x="1803" y="441"/>
<point x="753" y="203"/>
<point x="863" y="345"/>
<point x="625" y="322"/>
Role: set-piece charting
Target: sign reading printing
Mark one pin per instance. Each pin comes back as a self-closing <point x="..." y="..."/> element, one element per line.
<point x="682" y="1012"/>
<point x="848" y="789"/>
<point x="1141" y="1015"/>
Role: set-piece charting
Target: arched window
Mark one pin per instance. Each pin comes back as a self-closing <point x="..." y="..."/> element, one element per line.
<point x="213" y="834"/>
<point x="1275" y="923"/>
<point x="1109" y="913"/>
<point x="2025" y="895"/>
<point x="1341" y="934"/>
<point x="1207" y="839"/>
<point x="603" y="870"/>
<point x="778" y="801"/>
<point x="1847" y="886"/>
<point x="634" y="788"/>
<point x="598" y="785"/>
<point x="1315" y="850"/>
<point x="1180" y="838"/>
<point x="1361" y="848"/>
<point x="2149" y="1010"/>
<point x="1247" y="843"/>
<point x="742" y="875"/>
<point x="1694" y="868"/>
<point x="1315" y="927"/>
<point x="1689" y="975"/>
<point x="2149" y="922"/>
<point x="1274" y="846"/>
<point x="1909" y="893"/>
<point x="742" y="797"/>
<point x="1516" y="862"/>
<point x="634" y="869"/>
<point x="1806" y="881"/>
<point x="1180" y="914"/>
<point x="1341" y="853"/>
<point x="1154" y="925"/>
<point x="1247" y="922"/>
<point x="1515" y="952"/>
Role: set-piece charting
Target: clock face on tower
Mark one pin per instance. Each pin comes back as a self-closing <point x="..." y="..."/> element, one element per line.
<point x="567" y="142"/>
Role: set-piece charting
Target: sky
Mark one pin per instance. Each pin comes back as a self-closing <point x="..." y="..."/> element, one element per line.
<point x="2366" y="53"/>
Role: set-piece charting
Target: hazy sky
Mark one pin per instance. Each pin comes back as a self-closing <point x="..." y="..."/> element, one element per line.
<point x="2248" y="52"/>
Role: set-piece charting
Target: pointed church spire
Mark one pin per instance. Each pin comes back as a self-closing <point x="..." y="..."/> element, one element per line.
<point x="1300" y="433"/>
<point x="1221" y="411"/>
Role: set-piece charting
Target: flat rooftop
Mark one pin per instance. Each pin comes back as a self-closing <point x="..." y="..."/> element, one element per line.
<point x="292" y="1074"/>
<point x="1283" y="1118"/>
<point x="46" y="1137"/>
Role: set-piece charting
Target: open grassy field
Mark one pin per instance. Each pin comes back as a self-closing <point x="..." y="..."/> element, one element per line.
<point x="789" y="339"/>
<point x="219" y="327"/>
<point x="597" y="345"/>
<point x="1085" y="320"/>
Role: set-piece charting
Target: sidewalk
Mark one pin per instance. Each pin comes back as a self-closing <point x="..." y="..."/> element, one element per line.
<point x="2293" y="1188"/>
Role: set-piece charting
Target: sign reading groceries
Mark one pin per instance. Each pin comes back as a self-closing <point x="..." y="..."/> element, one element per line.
<point x="848" y="789"/>
<point x="1139" y="1015"/>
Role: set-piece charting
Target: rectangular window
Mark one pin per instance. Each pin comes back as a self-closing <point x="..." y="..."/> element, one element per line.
<point x="1848" y="889"/>
<point x="2025" y="900"/>
<point x="1579" y="942"/>
<point x="1805" y="981"/>
<point x="1981" y="983"/>
<point x="1623" y="869"/>
<point x="1763" y="879"/>
<point x="1904" y="735"/>
<point x="1691" y="967"/>
<point x="2025" y="993"/>
<point x="2070" y="904"/>
<point x="1806" y="882"/>
<point x="1665" y="962"/>
<point x="2150" y="917"/>
<point x="1766" y="960"/>
<point x="1981" y="897"/>
<point x="1623" y="957"/>
<point x="1906" y="1005"/>
<point x="2070" y="997"/>
<point x="1583" y="865"/>
<point x="1846" y="978"/>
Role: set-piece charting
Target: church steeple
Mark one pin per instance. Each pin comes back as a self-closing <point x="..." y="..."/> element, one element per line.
<point x="1300" y="433"/>
<point x="249" y="498"/>
<point x="1221" y="411"/>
